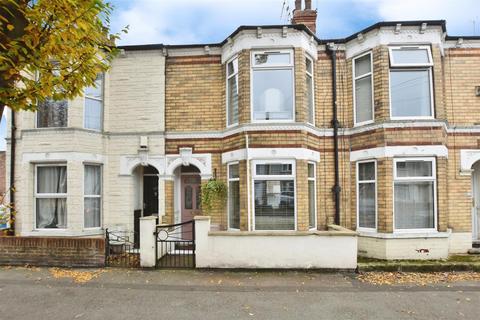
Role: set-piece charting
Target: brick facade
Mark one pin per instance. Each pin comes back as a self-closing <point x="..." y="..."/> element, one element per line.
<point x="61" y="252"/>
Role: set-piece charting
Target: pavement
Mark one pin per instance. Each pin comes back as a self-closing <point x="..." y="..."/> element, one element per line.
<point x="43" y="293"/>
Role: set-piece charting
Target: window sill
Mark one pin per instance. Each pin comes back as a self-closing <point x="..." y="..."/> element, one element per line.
<point x="404" y="234"/>
<point x="63" y="233"/>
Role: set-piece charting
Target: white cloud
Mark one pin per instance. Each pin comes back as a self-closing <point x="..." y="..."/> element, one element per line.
<point x="201" y="21"/>
<point x="459" y="14"/>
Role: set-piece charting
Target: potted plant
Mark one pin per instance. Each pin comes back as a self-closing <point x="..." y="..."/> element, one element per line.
<point x="214" y="197"/>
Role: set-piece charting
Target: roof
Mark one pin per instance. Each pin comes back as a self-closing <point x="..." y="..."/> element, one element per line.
<point x="301" y="27"/>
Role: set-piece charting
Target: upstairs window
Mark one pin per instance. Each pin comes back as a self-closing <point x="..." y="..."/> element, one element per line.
<point x="94" y="105"/>
<point x="52" y="113"/>
<point x="411" y="88"/>
<point x="232" y="92"/>
<point x="272" y="86"/>
<point x="363" y="89"/>
<point x="310" y="90"/>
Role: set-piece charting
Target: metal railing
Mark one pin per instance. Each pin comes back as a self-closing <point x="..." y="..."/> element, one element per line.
<point x="121" y="249"/>
<point x="175" y="245"/>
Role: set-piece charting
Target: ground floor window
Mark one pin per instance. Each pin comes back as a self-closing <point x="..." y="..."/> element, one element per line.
<point x="312" y="203"/>
<point x="51" y="196"/>
<point x="414" y="193"/>
<point x="233" y="196"/>
<point x="274" y="194"/>
<point x="92" y="202"/>
<point x="366" y="195"/>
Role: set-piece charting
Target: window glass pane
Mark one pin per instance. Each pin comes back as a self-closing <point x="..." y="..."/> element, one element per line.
<point x="96" y="91"/>
<point x="366" y="205"/>
<point x="362" y="65"/>
<point x="233" y="171"/>
<point x="234" y="204"/>
<point x="93" y="180"/>
<point x="308" y="65"/>
<point x="414" y="169"/>
<point x="51" y="213"/>
<point x="271" y="58"/>
<point x="92" y="212"/>
<point x="309" y="98"/>
<point x="414" y="205"/>
<point x="363" y="99"/>
<point x="188" y="197"/>
<point x="274" y="169"/>
<point x="232" y="100"/>
<point x="410" y="93"/>
<point x="410" y="56"/>
<point x="311" y="203"/>
<point x="52" y="113"/>
<point x="272" y="94"/>
<point x="274" y="205"/>
<point x="52" y="179"/>
<point x="198" y="198"/>
<point x="366" y="171"/>
<point x="311" y="170"/>
<point x="232" y="67"/>
<point x="93" y="114"/>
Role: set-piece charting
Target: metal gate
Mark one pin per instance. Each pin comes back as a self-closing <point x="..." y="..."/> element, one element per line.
<point x="175" y="245"/>
<point x="121" y="250"/>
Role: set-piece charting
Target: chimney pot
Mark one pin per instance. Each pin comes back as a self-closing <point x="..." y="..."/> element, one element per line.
<point x="298" y="4"/>
<point x="308" y="4"/>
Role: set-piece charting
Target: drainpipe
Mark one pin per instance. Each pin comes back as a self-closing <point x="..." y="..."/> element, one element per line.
<point x="249" y="223"/>
<point x="331" y="49"/>
<point x="12" y="171"/>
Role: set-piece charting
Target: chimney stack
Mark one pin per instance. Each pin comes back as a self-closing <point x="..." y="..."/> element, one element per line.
<point x="307" y="16"/>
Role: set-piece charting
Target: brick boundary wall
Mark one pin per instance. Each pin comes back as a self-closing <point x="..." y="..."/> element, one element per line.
<point x="54" y="252"/>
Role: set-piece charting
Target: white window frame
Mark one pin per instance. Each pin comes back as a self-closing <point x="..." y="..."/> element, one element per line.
<point x="37" y="195"/>
<point x="93" y="195"/>
<point x="272" y="177"/>
<point x="311" y="74"/>
<point x="228" y="77"/>
<point x="394" y="64"/>
<point x="314" y="179"/>
<point x="358" y="182"/>
<point x="355" y="78"/>
<point x="290" y="66"/>
<point x="228" y="198"/>
<point x="399" y="67"/>
<point x="102" y="100"/>
<point x="432" y="178"/>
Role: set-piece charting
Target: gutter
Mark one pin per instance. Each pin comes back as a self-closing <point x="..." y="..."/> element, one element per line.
<point x="331" y="49"/>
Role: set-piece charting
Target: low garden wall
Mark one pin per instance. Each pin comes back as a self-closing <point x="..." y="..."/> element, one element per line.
<point x="50" y="251"/>
<point x="333" y="249"/>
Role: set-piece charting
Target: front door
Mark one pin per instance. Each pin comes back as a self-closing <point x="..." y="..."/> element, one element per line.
<point x="476" y="202"/>
<point x="190" y="188"/>
<point x="150" y="195"/>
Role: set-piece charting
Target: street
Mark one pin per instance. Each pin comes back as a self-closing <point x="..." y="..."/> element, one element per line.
<point x="42" y="293"/>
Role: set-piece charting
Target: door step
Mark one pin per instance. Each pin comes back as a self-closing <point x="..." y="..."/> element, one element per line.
<point x="474" y="251"/>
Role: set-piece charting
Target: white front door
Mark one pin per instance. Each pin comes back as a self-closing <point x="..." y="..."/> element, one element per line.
<point x="476" y="201"/>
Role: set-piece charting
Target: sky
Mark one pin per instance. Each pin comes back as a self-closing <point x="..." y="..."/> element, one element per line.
<point x="211" y="21"/>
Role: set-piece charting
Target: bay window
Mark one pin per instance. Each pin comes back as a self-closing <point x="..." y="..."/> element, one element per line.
<point x="411" y="88"/>
<point x="310" y="90"/>
<point x="363" y="89"/>
<point x="414" y="194"/>
<point x="312" y="195"/>
<point x="233" y="196"/>
<point x="232" y="92"/>
<point x="272" y="86"/>
<point x="92" y="201"/>
<point x="51" y="196"/>
<point x="94" y="105"/>
<point x="274" y="195"/>
<point x="367" y="195"/>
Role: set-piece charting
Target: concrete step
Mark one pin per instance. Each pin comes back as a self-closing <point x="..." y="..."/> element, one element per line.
<point x="474" y="251"/>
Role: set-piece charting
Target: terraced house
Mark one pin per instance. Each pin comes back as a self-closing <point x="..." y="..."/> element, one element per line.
<point x="378" y="133"/>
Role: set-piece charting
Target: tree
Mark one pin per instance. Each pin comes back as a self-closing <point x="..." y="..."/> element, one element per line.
<point x="52" y="49"/>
